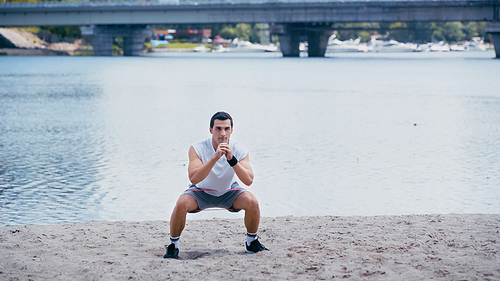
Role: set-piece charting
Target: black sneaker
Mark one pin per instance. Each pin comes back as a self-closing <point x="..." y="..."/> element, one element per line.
<point x="255" y="247"/>
<point x="172" y="252"/>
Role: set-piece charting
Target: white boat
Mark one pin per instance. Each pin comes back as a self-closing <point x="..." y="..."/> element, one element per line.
<point x="391" y="46"/>
<point x="457" y="47"/>
<point x="439" y="46"/>
<point x="245" y="46"/>
<point x="337" y="46"/>
<point x="477" y="44"/>
<point x="200" y="49"/>
<point x="303" y="47"/>
<point x="219" y="49"/>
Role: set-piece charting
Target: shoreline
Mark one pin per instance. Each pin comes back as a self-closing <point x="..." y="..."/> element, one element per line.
<point x="406" y="247"/>
<point x="31" y="52"/>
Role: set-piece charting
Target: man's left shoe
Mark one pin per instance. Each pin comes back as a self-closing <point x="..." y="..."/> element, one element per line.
<point x="172" y="252"/>
<point x="255" y="247"/>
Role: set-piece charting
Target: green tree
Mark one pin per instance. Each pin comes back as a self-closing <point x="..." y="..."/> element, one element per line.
<point x="471" y="30"/>
<point x="452" y="31"/>
<point x="255" y="35"/>
<point x="422" y="31"/>
<point x="241" y="31"/>
<point x="64" y="31"/>
<point x="364" y="35"/>
<point x="346" y="31"/>
<point x="480" y="29"/>
<point x="228" y="32"/>
<point x="474" y="29"/>
<point x="437" y="34"/>
<point x="401" y="31"/>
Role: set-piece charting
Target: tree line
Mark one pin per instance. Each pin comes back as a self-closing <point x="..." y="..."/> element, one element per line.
<point x="418" y="32"/>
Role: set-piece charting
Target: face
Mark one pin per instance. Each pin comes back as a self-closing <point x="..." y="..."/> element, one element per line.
<point x="221" y="132"/>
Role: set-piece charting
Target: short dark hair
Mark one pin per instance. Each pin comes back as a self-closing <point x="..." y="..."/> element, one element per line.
<point x="221" y="115"/>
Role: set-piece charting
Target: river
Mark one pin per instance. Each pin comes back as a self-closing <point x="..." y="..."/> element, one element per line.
<point x="106" y="138"/>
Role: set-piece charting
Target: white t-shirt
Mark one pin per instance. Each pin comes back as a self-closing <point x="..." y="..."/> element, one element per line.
<point x="222" y="176"/>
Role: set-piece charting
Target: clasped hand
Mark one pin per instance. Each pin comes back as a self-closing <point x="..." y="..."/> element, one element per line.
<point x="224" y="149"/>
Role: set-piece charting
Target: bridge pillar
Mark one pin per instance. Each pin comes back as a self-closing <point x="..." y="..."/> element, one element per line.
<point x="290" y="34"/>
<point x="317" y="42"/>
<point x="289" y="39"/>
<point x="101" y="38"/>
<point x="102" y="41"/>
<point x="289" y="44"/>
<point x="133" y="41"/>
<point x="494" y="29"/>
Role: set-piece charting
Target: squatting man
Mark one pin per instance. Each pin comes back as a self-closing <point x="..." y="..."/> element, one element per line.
<point x="213" y="166"/>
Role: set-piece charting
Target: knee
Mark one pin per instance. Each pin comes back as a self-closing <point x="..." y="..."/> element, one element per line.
<point x="183" y="205"/>
<point x="252" y="202"/>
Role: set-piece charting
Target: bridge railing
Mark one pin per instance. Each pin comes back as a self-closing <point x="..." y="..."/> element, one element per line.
<point x="86" y="3"/>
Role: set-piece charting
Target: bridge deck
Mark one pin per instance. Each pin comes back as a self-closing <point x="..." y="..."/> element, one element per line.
<point x="70" y="5"/>
<point x="236" y="11"/>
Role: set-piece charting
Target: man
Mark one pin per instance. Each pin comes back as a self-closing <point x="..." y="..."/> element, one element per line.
<point x="213" y="164"/>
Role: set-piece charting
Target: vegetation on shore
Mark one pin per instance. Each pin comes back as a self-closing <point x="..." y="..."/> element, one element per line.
<point x="177" y="44"/>
<point x="419" y="32"/>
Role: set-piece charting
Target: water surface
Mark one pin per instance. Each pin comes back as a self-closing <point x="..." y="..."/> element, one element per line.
<point x="106" y="138"/>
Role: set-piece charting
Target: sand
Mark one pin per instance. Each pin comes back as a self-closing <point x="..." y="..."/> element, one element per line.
<point x="410" y="247"/>
<point x="22" y="39"/>
<point x="24" y="43"/>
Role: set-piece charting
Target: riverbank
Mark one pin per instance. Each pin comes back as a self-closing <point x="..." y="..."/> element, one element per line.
<point x="411" y="247"/>
<point x="31" y="52"/>
<point x="167" y="50"/>
<point x="19" y="42"/>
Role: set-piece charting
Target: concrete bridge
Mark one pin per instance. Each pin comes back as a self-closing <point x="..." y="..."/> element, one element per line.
<point x="289" y="19"/>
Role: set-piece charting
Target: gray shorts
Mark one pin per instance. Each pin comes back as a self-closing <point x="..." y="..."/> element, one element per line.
<point x="205" y="200"/>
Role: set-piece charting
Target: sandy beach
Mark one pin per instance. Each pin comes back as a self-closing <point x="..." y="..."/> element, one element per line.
<point x="409" y="247"/>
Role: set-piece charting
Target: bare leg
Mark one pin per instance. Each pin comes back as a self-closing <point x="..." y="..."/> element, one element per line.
<point x="185" y="203"/>
<point x="248" y="202"/>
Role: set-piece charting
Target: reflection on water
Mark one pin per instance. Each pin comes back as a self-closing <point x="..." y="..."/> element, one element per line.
<point x="107" y="138"/>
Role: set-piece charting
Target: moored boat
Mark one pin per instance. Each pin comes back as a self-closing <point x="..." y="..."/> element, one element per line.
<point x="337" y="46"/>
<point x="245" y="46"/>
<point x="391" y="46"/>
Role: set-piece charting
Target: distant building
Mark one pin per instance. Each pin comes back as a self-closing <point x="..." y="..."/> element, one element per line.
<point x="194" y="35"/>
<point x="163" y="34"/>
<point x="221" y="41"/>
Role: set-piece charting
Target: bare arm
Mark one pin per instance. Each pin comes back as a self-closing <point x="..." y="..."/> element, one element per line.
<point x="244" y="171"/>
<point x="197" y="170"/>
